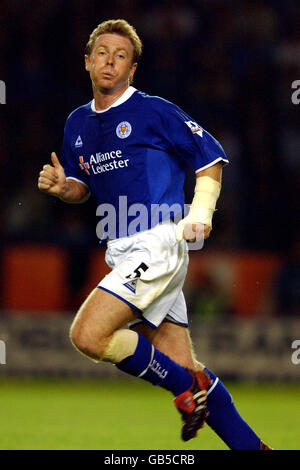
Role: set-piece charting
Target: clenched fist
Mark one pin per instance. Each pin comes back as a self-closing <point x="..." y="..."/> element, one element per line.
<point x="192" y="232"/>
<point x="52" y="179"/>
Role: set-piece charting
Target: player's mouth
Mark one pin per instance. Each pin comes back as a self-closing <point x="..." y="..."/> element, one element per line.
<point x="107" y="75"/>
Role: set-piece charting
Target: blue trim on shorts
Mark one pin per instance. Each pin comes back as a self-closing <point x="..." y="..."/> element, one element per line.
<point x="137" y="322"/>
<point x="142" y="319"/>
<point x="175" y="321"/>
<point x="119" y="297"/>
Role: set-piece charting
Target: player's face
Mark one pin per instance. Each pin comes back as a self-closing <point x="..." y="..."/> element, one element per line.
<point x="110" y="63"/>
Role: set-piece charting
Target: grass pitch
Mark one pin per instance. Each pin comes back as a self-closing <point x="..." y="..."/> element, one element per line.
<point x="132" y="415"/>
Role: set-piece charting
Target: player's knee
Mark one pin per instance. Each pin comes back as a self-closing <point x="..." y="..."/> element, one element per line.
<point x="78" y="338"/>
<point x="113" y="348"/>
<point x="84" y="341"/>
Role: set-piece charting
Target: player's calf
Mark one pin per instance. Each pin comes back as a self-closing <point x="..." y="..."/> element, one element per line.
<point x="225" y="420"/>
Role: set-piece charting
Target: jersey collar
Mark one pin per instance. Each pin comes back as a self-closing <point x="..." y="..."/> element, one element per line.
<point x="124" y="97"/>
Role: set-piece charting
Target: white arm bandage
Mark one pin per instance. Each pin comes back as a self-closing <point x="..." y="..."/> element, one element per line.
<point x="207" y="191"/>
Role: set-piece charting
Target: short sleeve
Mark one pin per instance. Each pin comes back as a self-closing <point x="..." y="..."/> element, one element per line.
<point x="70" y="161"/>
<point x="189" y="141"/>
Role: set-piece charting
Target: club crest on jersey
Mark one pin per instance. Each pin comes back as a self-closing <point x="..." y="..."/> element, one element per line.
<point x="123" y="129"/>
<point x="195" y="128"/>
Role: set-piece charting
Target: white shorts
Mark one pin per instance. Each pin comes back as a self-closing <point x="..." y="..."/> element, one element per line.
<point x="148" y="273"/>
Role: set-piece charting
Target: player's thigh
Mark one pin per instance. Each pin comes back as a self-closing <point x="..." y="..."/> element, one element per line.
<point x="173" y="340"/>
<point x="101" y="314"/>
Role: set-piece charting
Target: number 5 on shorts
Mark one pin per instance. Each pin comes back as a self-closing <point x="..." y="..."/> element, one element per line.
<point x="137" y="272"/>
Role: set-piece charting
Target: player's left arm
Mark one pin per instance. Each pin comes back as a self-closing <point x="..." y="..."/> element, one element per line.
<point x="198" y="223"/>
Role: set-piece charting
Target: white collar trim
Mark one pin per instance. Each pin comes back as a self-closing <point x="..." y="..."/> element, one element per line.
<point x="124" y="97"/>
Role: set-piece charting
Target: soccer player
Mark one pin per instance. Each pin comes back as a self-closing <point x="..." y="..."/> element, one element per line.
<point x="127" y="146"/>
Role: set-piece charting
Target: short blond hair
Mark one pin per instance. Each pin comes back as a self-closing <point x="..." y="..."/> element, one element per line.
<point x="116" y="27"/>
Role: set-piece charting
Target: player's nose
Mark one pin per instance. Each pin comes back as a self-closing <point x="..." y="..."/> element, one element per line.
<point x="110" y="59"/>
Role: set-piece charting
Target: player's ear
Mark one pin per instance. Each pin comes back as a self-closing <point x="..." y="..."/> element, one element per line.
<point x="132" y="70"/>
<point x="87" y="62"/>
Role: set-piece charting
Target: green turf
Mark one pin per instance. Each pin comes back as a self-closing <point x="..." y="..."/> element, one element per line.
<point x="80" y="414"/>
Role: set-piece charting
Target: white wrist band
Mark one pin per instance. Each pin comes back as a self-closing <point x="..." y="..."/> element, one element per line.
<point x="207" y="191"/>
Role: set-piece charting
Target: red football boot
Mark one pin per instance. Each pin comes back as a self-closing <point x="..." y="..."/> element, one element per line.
<point x="192" y="404"/>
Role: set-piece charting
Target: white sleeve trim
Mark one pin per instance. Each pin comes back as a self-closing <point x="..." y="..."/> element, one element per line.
<point x="212" y="163"/>
<point x="212" y="386"/>
<point x="77" y="179"/>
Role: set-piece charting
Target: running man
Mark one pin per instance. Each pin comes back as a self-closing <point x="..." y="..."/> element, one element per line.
<point x="128" y="146"/>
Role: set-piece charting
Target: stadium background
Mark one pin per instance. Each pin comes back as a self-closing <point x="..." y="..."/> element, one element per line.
<point x="230" y="65"/>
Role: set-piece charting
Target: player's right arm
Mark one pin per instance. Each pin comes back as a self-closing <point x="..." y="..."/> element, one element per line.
<point x="52" y="180"/>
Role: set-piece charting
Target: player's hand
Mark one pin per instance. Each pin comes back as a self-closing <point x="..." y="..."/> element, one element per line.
<point x="52" y="178"/>
<point x="192" y="232"/>
<point x="196" y="232"/>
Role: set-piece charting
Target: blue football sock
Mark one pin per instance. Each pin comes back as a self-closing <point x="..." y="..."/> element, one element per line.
<point x="150" y="364"/>
<point x="225" y="420"/>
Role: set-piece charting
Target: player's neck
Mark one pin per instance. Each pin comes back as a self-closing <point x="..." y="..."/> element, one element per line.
<point x="106" y="98"/>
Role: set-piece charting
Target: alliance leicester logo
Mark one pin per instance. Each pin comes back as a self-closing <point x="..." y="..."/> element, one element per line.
<point x="123" y="129"/>
<point x="84" y="165"/>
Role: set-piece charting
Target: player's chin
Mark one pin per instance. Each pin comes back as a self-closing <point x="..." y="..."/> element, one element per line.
<point x="103" y="84"/>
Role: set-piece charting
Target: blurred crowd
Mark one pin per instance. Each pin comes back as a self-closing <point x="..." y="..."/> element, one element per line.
<point x="229" y="64"/>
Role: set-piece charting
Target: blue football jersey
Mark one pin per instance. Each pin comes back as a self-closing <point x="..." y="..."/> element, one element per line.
<point x="133" y="156"/>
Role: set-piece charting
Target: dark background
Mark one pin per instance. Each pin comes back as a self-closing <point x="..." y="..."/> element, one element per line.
<point x="228" y="64"/>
